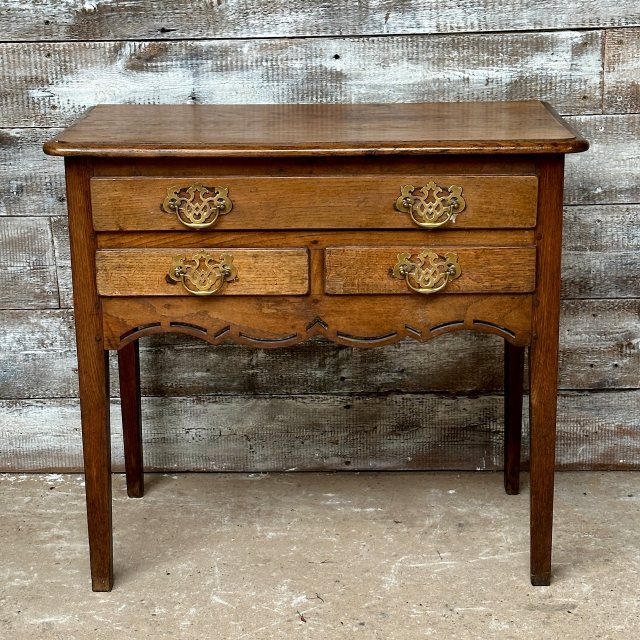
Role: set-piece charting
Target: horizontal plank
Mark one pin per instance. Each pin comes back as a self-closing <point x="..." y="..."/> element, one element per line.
<point x="614" y="274"/>
<point x="621" y="71"/>
<point x="62" y="251"/>
<point x="611" y="274"/>
<point x="600" y="348"/>
<point x="31" y="183"/>
<point x="321" y="367"/>
<point x="28" y="274"/>
<point x="601" y="228"/>
<point x="52" y="84"/>
<point x="37" y="354"/>
<point x="608" y="172"/>
<point x="113" y="20"/>
<point x="600" y="252"/>
<point x="409" y="432"/>
<point x="600" y="342"/>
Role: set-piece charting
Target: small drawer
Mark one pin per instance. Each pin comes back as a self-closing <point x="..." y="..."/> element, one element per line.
<point x="316" y="202"/>
<point x="202" y="272"/>
<point x="429" y="269"/>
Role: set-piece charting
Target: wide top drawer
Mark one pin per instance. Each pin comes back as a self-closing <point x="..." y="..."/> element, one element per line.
<point x="372" y="202"/>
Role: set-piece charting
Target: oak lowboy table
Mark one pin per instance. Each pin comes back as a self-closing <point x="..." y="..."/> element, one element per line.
<point x="265" y="225"/>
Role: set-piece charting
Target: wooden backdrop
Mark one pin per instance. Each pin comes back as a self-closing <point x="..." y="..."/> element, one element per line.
<point x="319" y="405"/>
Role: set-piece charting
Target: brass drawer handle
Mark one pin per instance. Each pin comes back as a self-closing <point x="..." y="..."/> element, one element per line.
<point x="197" y="206"/>
<point x="429" y="272"/>
<point x="202" y="274"/>
<point x="434" y="207"/>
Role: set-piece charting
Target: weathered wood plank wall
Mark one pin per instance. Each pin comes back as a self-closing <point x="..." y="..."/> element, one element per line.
<point x="320" y="405"/>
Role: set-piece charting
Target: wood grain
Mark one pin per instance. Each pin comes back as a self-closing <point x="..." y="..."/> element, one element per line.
<point x="130" y="403"/>
<point x="28" y="273"/>
<point x="301" y="203"/>
<point x="365" y="270"/>
<point x="322" y="165"/>
<point x="325" y="130"/>
<point x="93" y="375"/>
<point x="622" y="73"/>
<point x="60" y="232"/>
<point x="31" y="183"/>
<point x="596" y="328"/>
<point x="274" y="322"/>
<point x="600" y="245"/>
<point x="543" y="365"/>
<point x="514" y="358"/>
<point x="52" y="84"/>
<point x="139" y="19"/>
<point x="599" y="349"/>
<point x="33" y="342"/>
<point x="262" y="272"/>
<point x="596" y="430"/>
<point x="315" y="240"/>
<point x="599" y="337"/>
<point x="601" y="229"/>
<point x="614" y="274"/>
<point x="600" y="252"/>
<point x="608" y="172"/>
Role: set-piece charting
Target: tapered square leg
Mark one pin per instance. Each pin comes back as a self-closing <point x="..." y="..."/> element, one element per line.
<point x="96" y="444"/>
<point x="543" y="365"/>
<point x="513" y="388"/>
<point x="93" y="374"/>
<point x="129" y="375"/>
<point x="542" y="414"/>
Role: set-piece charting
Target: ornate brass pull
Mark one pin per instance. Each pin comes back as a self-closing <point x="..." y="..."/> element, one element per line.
<point x="202" y="274"/>
<point x="429" y="272"/>
<point x="434" y="207"/>
<point x="197" y="206"/>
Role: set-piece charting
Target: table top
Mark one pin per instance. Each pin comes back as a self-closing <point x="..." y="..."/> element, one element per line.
<point x="134" y="130"/>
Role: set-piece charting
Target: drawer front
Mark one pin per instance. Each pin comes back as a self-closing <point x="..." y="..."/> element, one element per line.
<point x="202" y="272"/>
<point x="375" y="202"/>
<point x="414" y="270"/>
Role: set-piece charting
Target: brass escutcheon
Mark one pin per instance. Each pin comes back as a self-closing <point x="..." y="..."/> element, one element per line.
<point x="202" y="274"/>
<point x="429" y="272"/>
<point x="197" y="206"/>
<point x="430" y="206"/>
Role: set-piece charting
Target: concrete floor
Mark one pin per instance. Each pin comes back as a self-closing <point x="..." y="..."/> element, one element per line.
<point x="364" y="555"/>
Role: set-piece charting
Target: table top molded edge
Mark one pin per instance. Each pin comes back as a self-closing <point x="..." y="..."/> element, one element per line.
<point x="80" y="140"/>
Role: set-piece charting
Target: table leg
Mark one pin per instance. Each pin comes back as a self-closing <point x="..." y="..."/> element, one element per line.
<point x="543" y="365"/>
<point x="513" y="388"/>
<point x="129" y="375"/>
<point x="93" y="370"/>
<point x="542" y="412"/>
<point x="93" y="374"/>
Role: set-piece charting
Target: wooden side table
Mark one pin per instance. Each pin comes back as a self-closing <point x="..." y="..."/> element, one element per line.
<point x="265" y="225"/>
